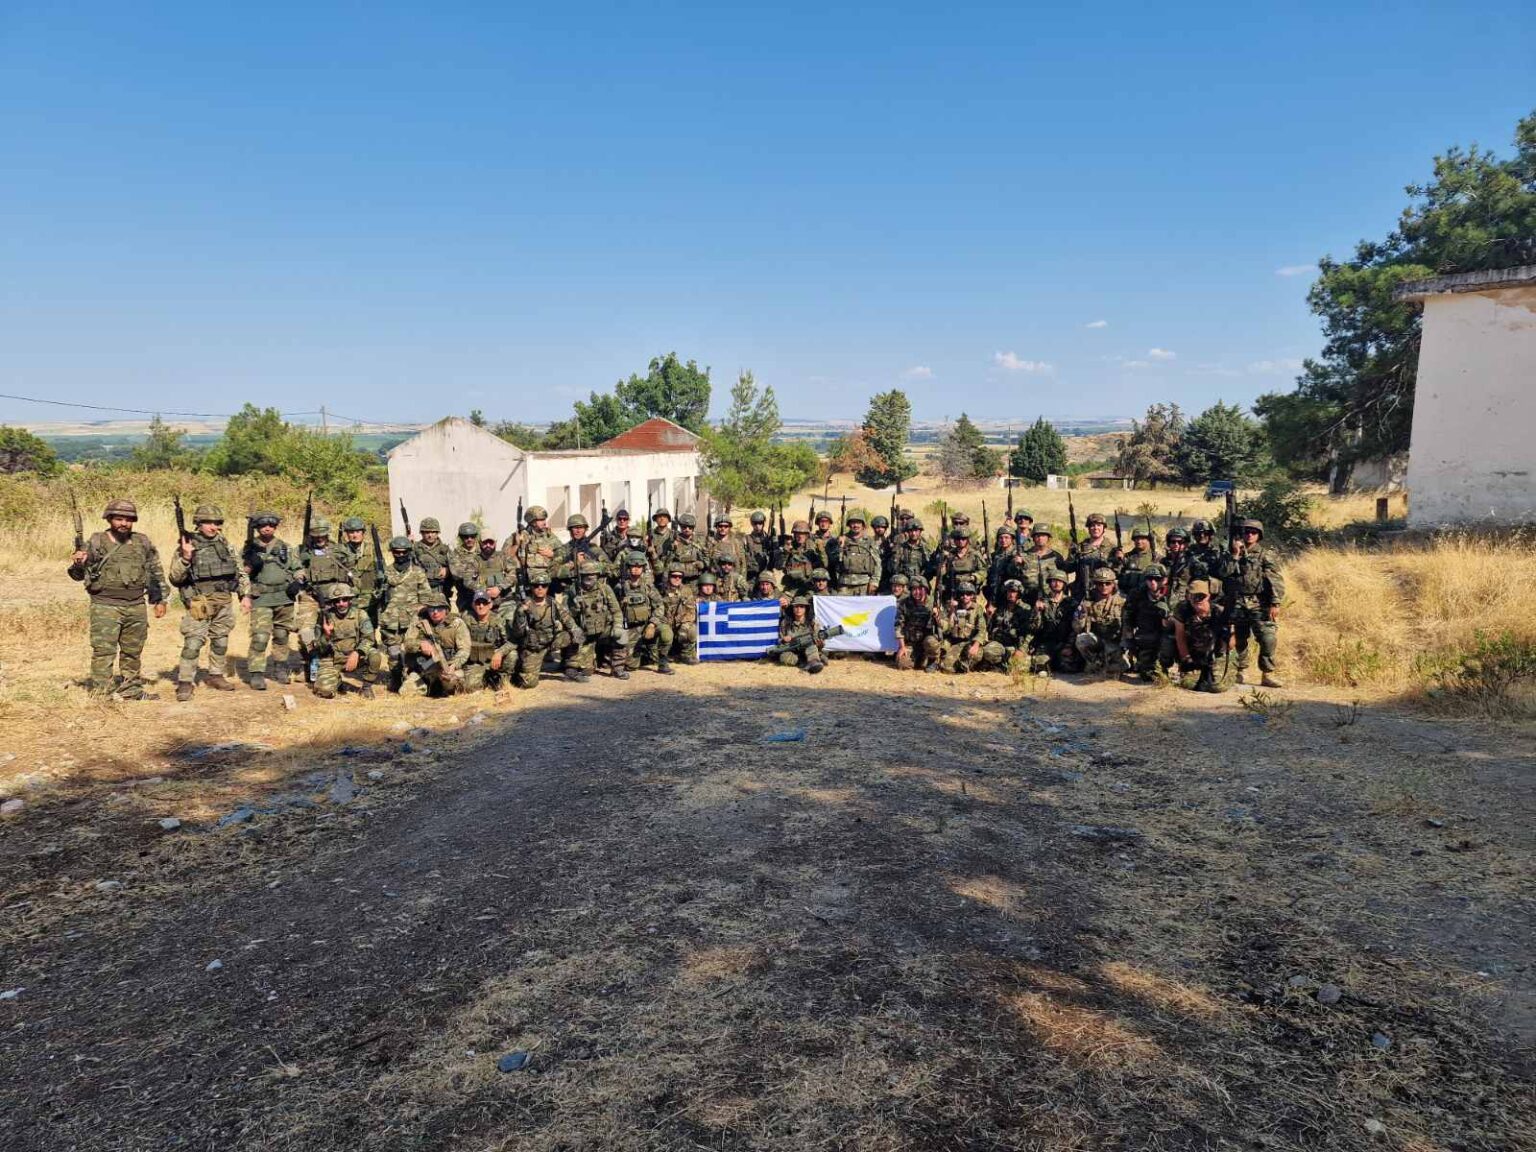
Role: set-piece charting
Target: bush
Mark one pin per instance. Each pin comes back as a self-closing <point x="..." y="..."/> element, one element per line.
<point x="1488" y="674"/>
<point x="1284" y="507"/>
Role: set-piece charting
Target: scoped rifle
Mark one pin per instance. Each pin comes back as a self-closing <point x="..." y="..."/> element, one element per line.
<point x="405" y="517"/>
<point x="74" y="507"/>
<point x="801" y="643"/>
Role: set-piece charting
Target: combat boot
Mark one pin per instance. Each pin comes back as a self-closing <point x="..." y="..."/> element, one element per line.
<point x="620" y="672"/>
<point x="1206" y="682"/>
<point x="577" y="676"/>
<point x="258" y="682"/>
<point x="1241" y="677"/>
<point x="367" y="692"/>
<point x="279" y="674"/>
<point x="1270" y="680"/>
<point x="184" y="691"/>
<point x="216" y="681"/>
<point x="664" y="666"/>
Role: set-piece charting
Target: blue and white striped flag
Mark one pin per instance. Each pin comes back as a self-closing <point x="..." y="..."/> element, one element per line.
<point x="741" y="631"/>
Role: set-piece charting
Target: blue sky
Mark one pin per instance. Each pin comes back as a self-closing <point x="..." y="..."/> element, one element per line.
<point x="406" y="211"/>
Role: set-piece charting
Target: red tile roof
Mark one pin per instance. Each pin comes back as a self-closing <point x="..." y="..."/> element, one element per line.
<point x="657" y="434"/>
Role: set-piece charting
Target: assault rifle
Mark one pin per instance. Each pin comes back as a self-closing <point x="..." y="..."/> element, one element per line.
<point x="1231" y="516"/>
<point x="1010" y="500"/>
<point x="1119" y="539"/>
<point x="801" y="643"/>
<point x="405" y="517"/>
<point x="309" y="516"/>
<point x="517" y="529"/>
<point x="1072" y="520"/>
<point x="603" y="521"/>
<point x="181" y="520"/>
<point x="250" y="531"/>
<point x="842" y="518"/>
<point x="1151" y="539"/>
<point x="943" y="523"/>
<point x="986" y="528"/>
<point x="893" y="513"/>
<point x="650" y="503"/>
<point x="783" y="535"/>
<point x="1083" y="568"/>
<point x="74" y="507"/>
<point x="380" y="580"/>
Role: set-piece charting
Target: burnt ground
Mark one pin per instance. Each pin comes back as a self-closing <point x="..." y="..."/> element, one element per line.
<point x="964" y="917"/>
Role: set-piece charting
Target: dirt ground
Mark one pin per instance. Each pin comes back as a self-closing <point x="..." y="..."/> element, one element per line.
<point x="958" y="913"/>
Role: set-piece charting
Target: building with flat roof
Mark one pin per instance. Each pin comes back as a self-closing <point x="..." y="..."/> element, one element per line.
<point x="459" y="472"/>
<point x="1472" y="459"/>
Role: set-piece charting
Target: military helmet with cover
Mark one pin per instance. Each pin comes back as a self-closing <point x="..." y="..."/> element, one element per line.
<point x="634" y="559"/>
<point x="354" y="524"/>
<point x="576" y="521"/>
<point x="799" y="526"/>
<point x="1096" y="518"/>
<point x="1252" y="526"/>
<point x="965" y="588"/>
<point x="960" y="533"/>
<point x="318" y="527"/>
<point x="263" y="518"/>
<point x="400" y="544"/>
<point x="208" y="514"/>
<point x="687" y="520"/>
<point x="468" y="530"/>
<point x="758" y="518"/>
<point x="535" y="513"/>
<point x="707" y="579"/>
<point x="1105" y="576"/>
<point x="340" y="592"/>
<point x="820" y="574"/>
<point x="880" y="522"/>
<point x="1202" y="528"/>
<point x="1155" y="572"/>
<point x="1177" y="534"/>
<point x="430" y="524"/>
<point x="121" y="508"/>
<point x="538" y="579"/>
<point x="434" y="600"/>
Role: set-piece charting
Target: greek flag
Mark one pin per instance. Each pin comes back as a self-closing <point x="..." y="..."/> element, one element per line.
<point x="741" y="631"/>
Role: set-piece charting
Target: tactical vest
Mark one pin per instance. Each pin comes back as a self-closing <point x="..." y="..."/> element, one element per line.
<point x="541" y="622"/>
<point x="797" y="564"/>
<point x="406" y="583"/>
<point x="963" y="624"/>
<point x="432" y="557"/>
<point x="360" y="560"/>
<point x="445" y="636"/>
<point x="1200" y="632"/>
<point x="326" y="568"/>
<point x="687" y="555"/>
<point x="1105" y="616"/>
<point x="347" y="633"/>
<point x="637" y="606"/>
<point x="118" y="572"/>
<point x="859" y="561"/>
<point x="484" y="638"/>
<point x="270" y="573"/>
<point x="594" y="610"/>
<point x="911" y="560"/>
<point x="212" y="569"/>
<point x="915" y="621"/>
<point x="1010" y="626"/>
<point x="1245" y="574"/>
<point x="1148" y="614"/>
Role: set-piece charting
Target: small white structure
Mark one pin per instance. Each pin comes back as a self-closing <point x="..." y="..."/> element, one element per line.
<point x="1473" y="455"/>
<point x="456" y="471"/>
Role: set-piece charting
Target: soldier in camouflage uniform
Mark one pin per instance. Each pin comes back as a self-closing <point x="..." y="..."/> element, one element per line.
<point x="578" y="554"/>
<point x="917" y="631"/>
<point x="600" y="622"/>
<point x="880" y="535"/>
<point x="683" y="551"/>
<point x="541" y="626"/>
<point x="730" y="585"/>
<point x="1134" y="564"/>
<point x="1099" y="624"/>
<point x="463" y="579"/>
<point x="1202" y="638"/>
<point x="797" y="560"/>
<point x="1203" y="548"/>
<point x="679" y="610"/>
<point x="634" y="541"/>
<point x="798" y="628"/>
<point x="497" y="574"/>
<point x="1255" y="589"/>
<point x="860" y="565"/>
<point x="963" y="629"/>
<point x="909" y="555"/>
<point x="1183" y="566"/>
<point x="615" y="539"/>
<point x="1043" y="551"/>
<point x="491" y="647"/>
<point x="1023" y="524"/>
<point x="959" y="564"/>
<point x="432" y="553"/>
<point x="725" y="543"/>
<point x="321" y="564"/>
<point x="899" y="587"/>
<point x="821" y="582"/>
<point x="1003" y="554"/>
<point x="539" y="550"/>
<point x="343" y="646"/>
<point x="641" y="608"/>
<point x="273" y="568"/>
<point x="823" y="543"/>
<point x="208" y="572"/>
<point x="406" y="590"/>
<point x="120" y="568"/>
<point x="354" y="542"/>
<point x="1146" y="621"/>
<point x="437" y="648"/>
<point x="1087" y="556"/>
<point x="758" y="547"/>
<point x="1050" y="627"/>
<point x="1008" y="628"/>
<point x="768" y="589"/>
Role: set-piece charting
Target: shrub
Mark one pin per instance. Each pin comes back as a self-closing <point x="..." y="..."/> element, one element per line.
<point x="1284" y="507"/>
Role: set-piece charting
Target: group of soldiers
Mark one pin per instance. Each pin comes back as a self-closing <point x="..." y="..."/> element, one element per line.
<point x="446" y="618"/>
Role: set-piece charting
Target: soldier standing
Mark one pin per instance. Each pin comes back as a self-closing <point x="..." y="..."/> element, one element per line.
<point x="541" y="625"/>
<point x="600" y="623"/>
<point x="359" y="558"/>
<point x="405" y="591"/>
<point x="641" y="607"/>
<point x="432" y="553"/>
<point x="917" y="631"/>
<point x="1099" y="624"/>
<point x="679" y="610"/>
<point x="497" y="574"/>
<point x="909" y="555"/>
<point x="120" y="568"/>
<point x="880" y="526"/>
<point x="959" y="564"/>
<point x="537" y="553"/>
<point x="1204" y="549"/>
<point x="1252" y="581"/>
<point x="322" y="564"/>
<point x="273" y="569"/>
<point x="343" y="646"/>
<point x="580" y="553"/>
<point x="1133" y="566"/>
<point x="859" y="564"/>
<point x="758" y="546"/>
<point x="823" y="542"/>
<point x="437" y="647"/>
<point x="463" y="579"/>
<point x="963" y="629"/>
<point x="725" y="543"/>
<point x="208" y="573"/>
<point x="685" y="552"/>
<point x="797" y="560"/>
<point x="1088" y="556"/>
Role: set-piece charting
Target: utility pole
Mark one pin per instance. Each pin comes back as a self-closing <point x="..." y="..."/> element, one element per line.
<point x="324" y="428"/>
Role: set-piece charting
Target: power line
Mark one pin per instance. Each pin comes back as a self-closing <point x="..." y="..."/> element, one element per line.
<point x="133" y="411"/>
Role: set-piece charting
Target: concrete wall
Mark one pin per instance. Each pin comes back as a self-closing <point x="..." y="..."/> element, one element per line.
<point x="1473" y="458"/>
<point x="582" y="482"/>
<point x="457" y="472"/>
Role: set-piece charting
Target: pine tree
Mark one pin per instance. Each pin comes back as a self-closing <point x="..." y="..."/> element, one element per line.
<point x="1041" y="453"/>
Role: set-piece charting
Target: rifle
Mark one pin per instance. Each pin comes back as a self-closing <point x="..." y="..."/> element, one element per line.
<point x="783" y="535"/>
<point x="380" y="580"/>
<point x="74" y="506"/>
<point x="986" y="527"/>
<point x="1151" y="539"/>
<point x="842" y="518"/>
<point x="1072" y="520"/>
<point x="1231" y="517"/>
<point x="893" y="512"/>
<point x="943" y="523"/>
<point x="405" y="517"/>
<point x="1119" y="539"/>
<point x="517" y="529"/>
<point x="1010" y="500"/>
<point x="602" y="522"/>
<point x="181" y="519"/>
<point x="250" y="532"/>
<point x="650" y="501"/>
<point x="801" y="643"/>
<point x="309" y="515"/>
<point x="1082" y="566"/>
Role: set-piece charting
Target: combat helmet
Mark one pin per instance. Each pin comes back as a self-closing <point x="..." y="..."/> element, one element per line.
<point x="880" y="522"/>
<point x="1202" y="528"/>
<point x="709" y="579"/>
<point x="820" y="574"/>
<point x="758" y="518"/>
<point x="799" y="526"/>
<point x="576" y="521"/>
<point x="467" y="530"/>
<point x="434" y="600"/>
<point x="1096" y="518"/>
<point x="535" y="513"/>
<point x="1105" y="576"/>
<point x="353" y="524"/>
<point x="430" y="524"/>
<point x="262" y="519"/>
<point x="1176" y="534"/>
<point x="1155" y="572"/>
<point x="1251" y="526"/>
<point x="634" y="558"/>
<point x="318" y="527"/>
<point x="400" y="544"/>
<point x="121" y="508"/>
<point x="340" y="592"/>
<point x="855" y="517"/>
<point x="208" y="514"/>
<point x="965" y="588"/>
<point x="687" y="520"/>
<point x="538" y="579"/>
<point x="960" y="532"/>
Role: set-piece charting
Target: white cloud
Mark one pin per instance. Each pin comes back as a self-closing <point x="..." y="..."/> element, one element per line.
<point x="1097" y="324"/>
<point x="1274" y="367"/>
<point x="1295" y="270"/>
<point x="1010" y="362"/>
<point x="1135" y="363"/>
<point x="1161" y="354"/>
<point x="918" y="372"/>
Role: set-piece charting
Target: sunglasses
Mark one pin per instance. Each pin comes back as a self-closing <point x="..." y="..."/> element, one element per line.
<point x="1198" y="596"/>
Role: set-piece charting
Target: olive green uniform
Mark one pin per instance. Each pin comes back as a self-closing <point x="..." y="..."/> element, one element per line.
<point x="488" y="639"/>
<point x="860" y="566"/>
<point x="680" y="612"/>
<point x="918" y="626"/>
<point x="641" y="609"/>
<point x="687" y="554"/>
<point x="273" y="569"/>
<point x="118" y="575"/>
<point x="1253" y="584"/>
<point x="323" y="568"/>
<point x="1099" y="624"/>
<point x="433" y="558"/>
<point x="959" y="629"/>
<point x="209" y="584"/>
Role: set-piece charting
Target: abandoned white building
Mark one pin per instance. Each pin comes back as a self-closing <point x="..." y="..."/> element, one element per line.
<point x="456" y="472"/>
<point x="1472" y="459"/>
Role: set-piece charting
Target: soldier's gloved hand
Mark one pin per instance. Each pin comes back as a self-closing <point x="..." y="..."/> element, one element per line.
<point x="293" y="589"/>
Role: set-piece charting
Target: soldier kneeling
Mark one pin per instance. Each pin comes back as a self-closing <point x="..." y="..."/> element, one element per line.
<point x="800" y="641"/>
<point x="490" y="644"/>
<point x="437" y="647"/>
<point x="1203" y="638"/>
<point x="342" y="646"/>
<point x="917" y="630"/>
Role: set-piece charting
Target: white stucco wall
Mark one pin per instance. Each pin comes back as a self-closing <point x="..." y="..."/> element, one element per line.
<point x="458" y="472"/>
<point x="1473" y="456"/>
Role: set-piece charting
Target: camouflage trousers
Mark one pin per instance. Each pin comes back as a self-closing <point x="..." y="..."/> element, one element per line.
<point x="437" y="678"/>
<point x="118" y="634"/>
<point x="479" y="676"/>
<point x="1099" y="653"/>
<point x="955" y="656"/>
<point x="530" y="664"/>
<point x="306" y="614"/>
<point x="585" y="656"/>
<point x="813" y="659"/>
<point x="1005" y="658"/>
<point x="652" y="642"/>
<point x="216" y="623"/>
<point x="1253" y="623"/>
<point x="685" y="643"/>
<point x="918" y="653"/>
<point x="1153" y="652"/>
<point x="331" y="671"/>
<point x="269" y="624"/>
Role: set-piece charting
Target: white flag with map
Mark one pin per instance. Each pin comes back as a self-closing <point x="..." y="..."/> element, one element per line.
<point x="869" y="622"/>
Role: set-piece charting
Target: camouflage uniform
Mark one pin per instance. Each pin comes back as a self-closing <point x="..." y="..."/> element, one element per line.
<point x="1086" y="557"/>
<point x="1099" y="624"/>
<point x="685" y="552"/>
<point x="1146" y="622"/>
<point x="1206" y="638"/>
<point x="803" y="632"/>
<point x="954" y="566"/>
<point x="359" y="556"/>
<point x="1254" y="586"/>
<point x="488" y="639"/>
<point x="910" y="559"/>
<point x="406" y="589"/>
<point x="917" y="627"/>
<point x="441" y="673"/>
<point x="641" y="609"/>
<point x="860" y="567"/>
<point x="118" y="574"/>
<point x="433" y="557"/>
<point x="577" y="556"/>
<point x="1050" y="626"/>
<point x="207" y="583"/>
<point x="274" y="571"/>
<point x="757" y="547"/>
<point x="323" y="564"/>
<point x="1133" y="566"/>
<point x="732" y="587"/>
<point x="1008" y="630"/>
<point x="539" y="627"/>
<point x="960" y="629"/>
<point x="464" y="566"/>
<point x="342" y="632"/>
<point x="595" y="609"/>
<point x="797" y="560"/>
<point x="679" y="610"/>
<point x="730" y="545"/>
<point x="531" y="558"/>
